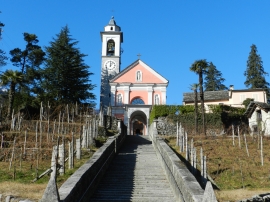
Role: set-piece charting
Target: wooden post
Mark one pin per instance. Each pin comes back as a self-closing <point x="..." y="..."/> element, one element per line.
<point x="48" y="114"/>
<point x="21" y="160"/>
<point x="246" y="144"/>
<point x="233" y="133"/>
<point x="59" y="123"/>
<point x="239" y="141"/>
<point x="177" y="134"/>
<point x="36" y="135"/>
<point x="24" y="145"/>
<point x="53" y="132"/>
<point x="2" y="141"/>
<point x="262" y="150"/>
<point x="12" y="155"/>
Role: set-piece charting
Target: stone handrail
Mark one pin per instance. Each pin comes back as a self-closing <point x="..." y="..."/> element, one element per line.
<point x="82" y="184"/>
<point x="184" y="184"/>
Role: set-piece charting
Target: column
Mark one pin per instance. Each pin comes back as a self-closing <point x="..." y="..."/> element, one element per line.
<point x="150" y="95"/>
<point x="126" y="96"/>
<point x="163" y="96"/>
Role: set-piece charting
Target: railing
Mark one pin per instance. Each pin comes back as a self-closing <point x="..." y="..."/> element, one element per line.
<point x="184" y="184"/>
<point x="82" y="184"/>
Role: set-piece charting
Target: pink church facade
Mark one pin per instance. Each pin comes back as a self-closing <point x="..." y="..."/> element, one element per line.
<point x="133" y="92"/>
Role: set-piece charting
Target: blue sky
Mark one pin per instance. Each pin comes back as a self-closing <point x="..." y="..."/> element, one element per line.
<point x="170" y="35"/>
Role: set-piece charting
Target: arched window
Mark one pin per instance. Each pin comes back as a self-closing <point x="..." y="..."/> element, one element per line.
<point x="119" y="100"/>
<point x="138" y="76"/>
<point x="157" y="101"/>
<point x="110" y="47"/>
<point x="137" y="101"/>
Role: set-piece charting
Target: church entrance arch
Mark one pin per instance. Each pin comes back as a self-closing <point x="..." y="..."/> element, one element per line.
<point x="138" y="123"/>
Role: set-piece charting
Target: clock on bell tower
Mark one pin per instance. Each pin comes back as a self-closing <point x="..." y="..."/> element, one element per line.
<point x="111" y="38"/>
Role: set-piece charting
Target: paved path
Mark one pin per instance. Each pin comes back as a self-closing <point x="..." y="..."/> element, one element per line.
<point x="135" y="174"/>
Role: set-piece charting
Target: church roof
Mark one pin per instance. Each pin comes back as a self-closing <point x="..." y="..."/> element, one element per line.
<point x="208" y="96"/>
<point x="134" y="64"/>
<point x="112" y="21"/>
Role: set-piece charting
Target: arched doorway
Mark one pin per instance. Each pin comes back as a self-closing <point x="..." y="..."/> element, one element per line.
<point x="138" y="123"/>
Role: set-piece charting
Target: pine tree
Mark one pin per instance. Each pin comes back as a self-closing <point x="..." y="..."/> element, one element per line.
<point x="213" y="79"/>
<point x="255" y="74"/>
<point x="28" y="60"/>
<point x="66" y="76"/>
<point x="3" y="58"/>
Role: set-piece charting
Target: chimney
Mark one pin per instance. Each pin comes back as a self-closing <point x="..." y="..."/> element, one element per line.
<point x="231" y="87"/>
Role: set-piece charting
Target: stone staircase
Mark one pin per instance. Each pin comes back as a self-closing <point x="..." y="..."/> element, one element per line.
<point x="135" y="175"/>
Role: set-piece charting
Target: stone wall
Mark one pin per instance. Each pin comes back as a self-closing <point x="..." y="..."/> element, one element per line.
<point x="184" y="184"/>
<point x="82" y="183"/>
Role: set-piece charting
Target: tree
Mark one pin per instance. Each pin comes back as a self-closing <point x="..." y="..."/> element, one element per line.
<point x="66" y="76"/>
<point x="11" y="78"/>
<point x="194" y="87"/>
<point x="200" y="67"/>
<point x="213" y="79"/>
<point x="3" y="58"/>
<point x="247" y="101"/>
<point x="29" y="61"/>
<point x="255" y="74"/>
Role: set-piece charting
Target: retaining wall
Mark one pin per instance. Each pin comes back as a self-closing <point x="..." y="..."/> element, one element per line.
<point x="184" y="184"/>
<point x="82" y="184"/>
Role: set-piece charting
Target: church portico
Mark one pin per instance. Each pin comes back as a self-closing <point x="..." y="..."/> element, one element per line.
<point x="137" y="119"/>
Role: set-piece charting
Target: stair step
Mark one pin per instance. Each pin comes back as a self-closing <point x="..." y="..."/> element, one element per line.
<point x="135" y="174"/>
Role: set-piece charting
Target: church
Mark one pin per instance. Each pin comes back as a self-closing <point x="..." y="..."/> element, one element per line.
<point x="129" y="93"/>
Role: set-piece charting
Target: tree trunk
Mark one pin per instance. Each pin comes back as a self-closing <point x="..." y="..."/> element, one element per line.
<point x="202" y="100"/>
<point x="10" y="99"/>
<point x="196" y="110"/>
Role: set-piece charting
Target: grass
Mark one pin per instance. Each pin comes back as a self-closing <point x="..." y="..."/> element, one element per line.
<point x="17" y="181"/>
<point x="231" y="168"/>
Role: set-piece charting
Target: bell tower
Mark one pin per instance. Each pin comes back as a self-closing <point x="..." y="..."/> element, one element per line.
<point x="111" y="38"/>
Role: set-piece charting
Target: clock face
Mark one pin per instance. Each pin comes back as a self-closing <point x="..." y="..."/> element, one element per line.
<point x="110" y="65"/>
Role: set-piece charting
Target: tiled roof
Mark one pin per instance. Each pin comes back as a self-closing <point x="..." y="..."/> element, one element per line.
<point x="208" y="96"/>
<point x="253" y="105"/>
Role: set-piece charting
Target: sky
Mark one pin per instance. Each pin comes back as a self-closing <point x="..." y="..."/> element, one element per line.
<point x="168" y="34"/>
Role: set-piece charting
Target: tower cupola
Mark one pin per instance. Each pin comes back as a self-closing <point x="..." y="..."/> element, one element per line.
<point x="112" y="27"/>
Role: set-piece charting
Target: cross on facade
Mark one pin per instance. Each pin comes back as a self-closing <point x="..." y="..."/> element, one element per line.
<point x="139" y="55"/>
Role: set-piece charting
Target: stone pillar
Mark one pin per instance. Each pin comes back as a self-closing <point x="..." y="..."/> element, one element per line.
<point x="62" y="159"/>
<point x="83" y="138"/>
<point x="78" y="148"/>
<point x="54" y="161"/>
